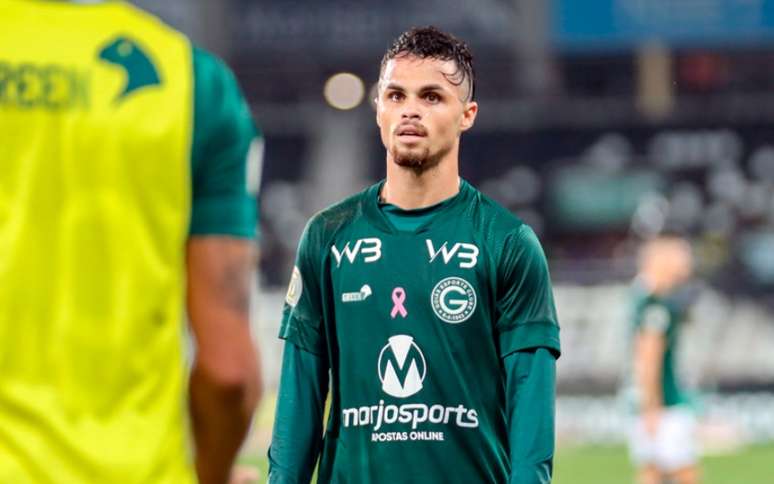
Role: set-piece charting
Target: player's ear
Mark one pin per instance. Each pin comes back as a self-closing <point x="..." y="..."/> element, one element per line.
<point x="469" y="115"/>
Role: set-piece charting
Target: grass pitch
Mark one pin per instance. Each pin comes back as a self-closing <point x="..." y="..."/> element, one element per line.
<point x="610" y="465"/>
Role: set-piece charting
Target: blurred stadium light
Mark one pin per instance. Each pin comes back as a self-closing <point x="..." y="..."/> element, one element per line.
<point x="344" y="91"/>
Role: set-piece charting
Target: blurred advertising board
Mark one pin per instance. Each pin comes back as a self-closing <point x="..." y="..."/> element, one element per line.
<point x="595" y="25"/>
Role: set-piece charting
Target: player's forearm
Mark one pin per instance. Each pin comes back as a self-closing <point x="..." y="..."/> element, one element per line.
<point x="225" y="380"/>
<point x="530" y="394"/>
<point x="648" y="364"/>
<point x="221" y="411"/>
<point x="296" y="440"/>
<point x="652" y="400"/>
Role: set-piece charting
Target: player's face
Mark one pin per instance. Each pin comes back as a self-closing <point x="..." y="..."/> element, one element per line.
<point x="668" y="260"/>
<point x="421" y="112"/>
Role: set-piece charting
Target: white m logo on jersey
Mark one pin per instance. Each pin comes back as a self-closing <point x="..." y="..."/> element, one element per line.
<point x="466" y="253"/>
<point x="402" y="367"/>
<point x="371" y="248"/>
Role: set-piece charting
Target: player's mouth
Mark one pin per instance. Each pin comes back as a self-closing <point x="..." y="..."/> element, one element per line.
<point x="410" y="132"/>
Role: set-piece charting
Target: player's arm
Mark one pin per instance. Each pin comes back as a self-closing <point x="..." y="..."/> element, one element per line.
<point x="649" y="347"/>
<point x="297" y="436"/>
<point x="225" y="378"/>
<point x="530" y="383"/>
<point x="225" y="382"/>
<point x="528" y="338"/>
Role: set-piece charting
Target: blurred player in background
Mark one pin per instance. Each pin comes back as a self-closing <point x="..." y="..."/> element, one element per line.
<point x="662" y="441"/>
<point x="125" y="183"/>
<point x="430" y="305"/>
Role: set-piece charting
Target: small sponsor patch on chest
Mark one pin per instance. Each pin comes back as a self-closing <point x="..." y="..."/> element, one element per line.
<point x="358" y="296"/>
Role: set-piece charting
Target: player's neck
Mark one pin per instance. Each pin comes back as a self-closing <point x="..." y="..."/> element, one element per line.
<point x="407" y="189"/>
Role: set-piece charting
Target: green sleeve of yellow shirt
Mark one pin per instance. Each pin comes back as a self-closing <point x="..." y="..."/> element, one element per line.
<point x="226" y="153"/>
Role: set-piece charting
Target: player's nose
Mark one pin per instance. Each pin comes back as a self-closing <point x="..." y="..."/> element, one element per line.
<point x="411" y="114"/>
<point x="410" y="110"/>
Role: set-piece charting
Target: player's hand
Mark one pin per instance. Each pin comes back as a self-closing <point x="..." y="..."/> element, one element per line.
<point x="651" y="419"/>
<point x="244" y="475"/>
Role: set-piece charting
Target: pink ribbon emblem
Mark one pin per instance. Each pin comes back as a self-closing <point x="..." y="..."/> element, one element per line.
<point x="398" y="297"/>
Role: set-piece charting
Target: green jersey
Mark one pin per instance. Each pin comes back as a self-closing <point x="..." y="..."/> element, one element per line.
<point x="413" y="326"/>
<point x="662" y="314"/>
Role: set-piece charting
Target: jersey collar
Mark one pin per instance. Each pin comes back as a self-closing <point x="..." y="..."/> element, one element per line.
<point x="446" y="209"/>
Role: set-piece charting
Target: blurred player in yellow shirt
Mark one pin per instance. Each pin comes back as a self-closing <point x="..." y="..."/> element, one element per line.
<point x="129" y="168"/>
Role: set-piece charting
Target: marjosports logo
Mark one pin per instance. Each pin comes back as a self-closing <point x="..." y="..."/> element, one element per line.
<point x="402" y="367"/>
<point x="453" y="300"/>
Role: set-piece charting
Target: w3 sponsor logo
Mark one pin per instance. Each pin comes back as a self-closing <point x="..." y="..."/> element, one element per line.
<point x="466" y="254"/>
<point x="369" y="248"/>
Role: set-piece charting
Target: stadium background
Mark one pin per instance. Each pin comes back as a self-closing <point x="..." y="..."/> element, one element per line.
<point x="601" y="122"/>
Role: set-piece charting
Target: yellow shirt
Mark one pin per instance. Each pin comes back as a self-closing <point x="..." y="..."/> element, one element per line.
<point x="97" y="200"/>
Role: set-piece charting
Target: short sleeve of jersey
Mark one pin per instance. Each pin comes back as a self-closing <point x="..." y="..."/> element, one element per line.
<point x="652" y="315"/>
<point x="526" y="315"/>
<point x="226" y="153"/>
<point x="302" y="319"/>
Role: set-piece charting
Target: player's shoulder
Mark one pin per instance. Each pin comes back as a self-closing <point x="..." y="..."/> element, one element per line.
<point x="494" y="220"/>
<point x="206" y="64"/>
<point x="216" y="86"/>
<point x="210" y="66"/>
<point x="645" y="302"/>
<point x="325" y="224"/>
<point x="641" y="295"/>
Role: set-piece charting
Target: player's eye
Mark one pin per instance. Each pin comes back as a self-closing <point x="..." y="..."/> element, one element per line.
<point x="432" y="97"/>
<point x="395" y="96"/>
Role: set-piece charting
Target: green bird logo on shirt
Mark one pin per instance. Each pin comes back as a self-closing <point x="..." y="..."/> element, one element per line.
<point x="140" y="71"/>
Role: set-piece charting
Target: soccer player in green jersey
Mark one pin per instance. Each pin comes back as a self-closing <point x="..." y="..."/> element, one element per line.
<point x="127" y="202"/>
<point x="429" y="305"/>
<point x="662" y="440"/>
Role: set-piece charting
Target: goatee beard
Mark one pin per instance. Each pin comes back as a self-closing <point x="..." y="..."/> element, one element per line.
<point x="417" y="162"/>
